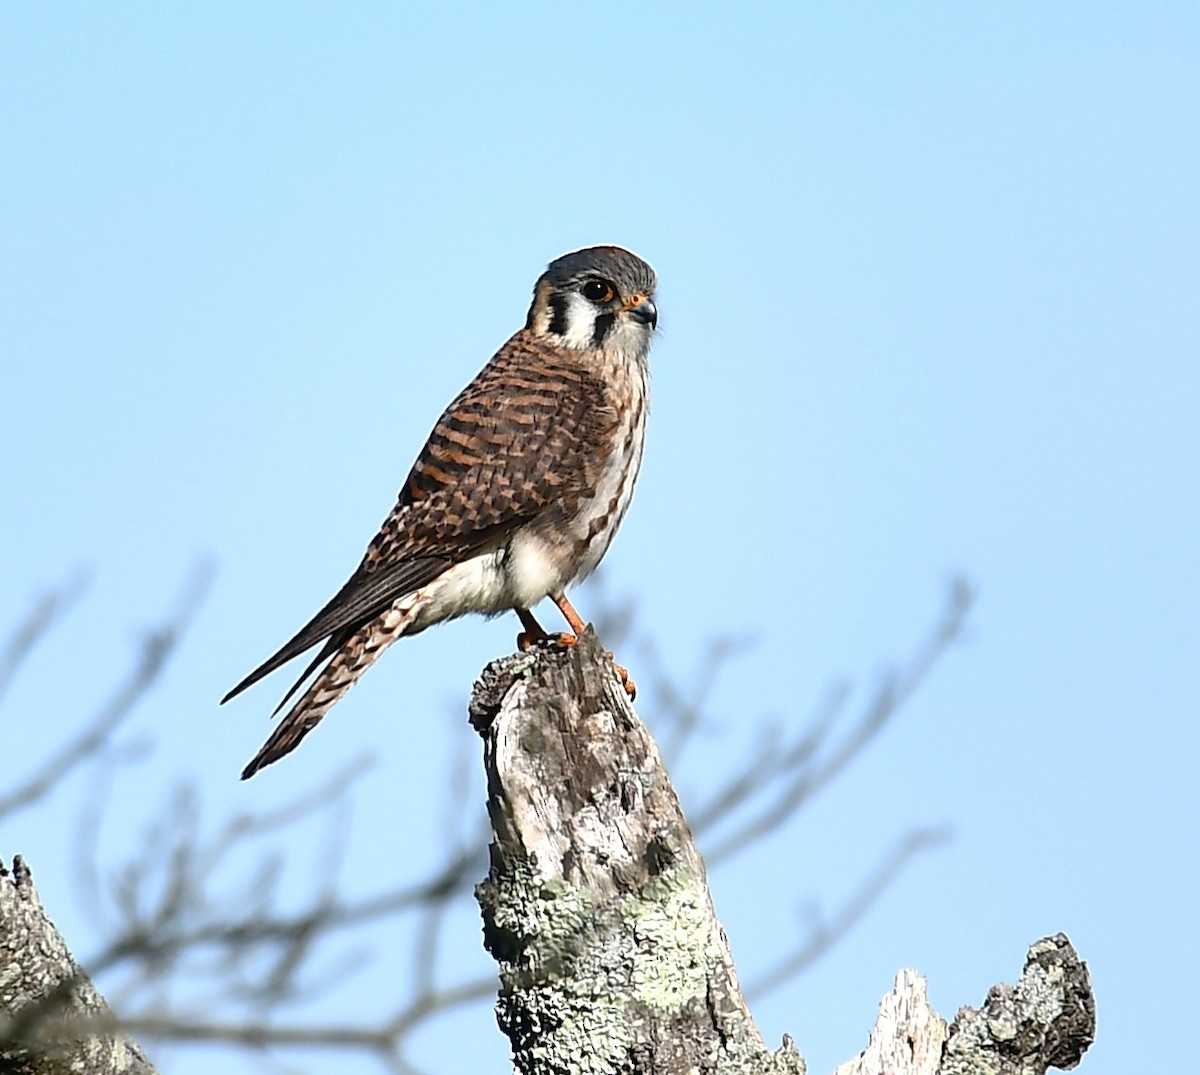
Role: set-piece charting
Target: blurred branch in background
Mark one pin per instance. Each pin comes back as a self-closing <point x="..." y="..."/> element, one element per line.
<point x="185" y="926"/>
<point x="156" y="649"/>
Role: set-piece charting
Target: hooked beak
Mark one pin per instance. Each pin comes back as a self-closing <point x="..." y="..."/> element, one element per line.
<point x="642" y="309"/>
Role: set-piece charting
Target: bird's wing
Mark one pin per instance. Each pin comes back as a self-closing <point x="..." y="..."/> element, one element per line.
<point x="514" y="445"/>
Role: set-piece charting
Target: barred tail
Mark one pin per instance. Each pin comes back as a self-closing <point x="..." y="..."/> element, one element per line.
<point x="350" y="661"/>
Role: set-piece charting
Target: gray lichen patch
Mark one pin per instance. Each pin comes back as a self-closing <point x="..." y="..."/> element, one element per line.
<point x="531" y="922"/>
<point x="561" y="1028"/>
<point x="557" y="1003"/>
<point x="672" y="928"/>
<point x="1040" y="992"/>
<point x="786" y="1060"/>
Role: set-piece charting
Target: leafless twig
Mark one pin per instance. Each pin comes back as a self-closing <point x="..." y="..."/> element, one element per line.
<point x="157" y="647"/>
<point x="787" y="775"/>
<point x="47" y="611"/>
<point x="184" y="919"/>
<point x="824" y="934"/>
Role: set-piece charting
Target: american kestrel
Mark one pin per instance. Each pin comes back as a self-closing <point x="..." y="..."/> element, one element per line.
<point x="516" y="495"/>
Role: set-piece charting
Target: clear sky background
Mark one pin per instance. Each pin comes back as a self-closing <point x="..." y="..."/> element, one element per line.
<point x="929" y="291"/>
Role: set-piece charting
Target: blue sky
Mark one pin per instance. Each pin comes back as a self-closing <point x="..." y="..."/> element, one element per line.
<point x="928" y="298"/>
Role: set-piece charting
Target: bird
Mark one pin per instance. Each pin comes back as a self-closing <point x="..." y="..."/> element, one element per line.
<point x="516" y="495"/>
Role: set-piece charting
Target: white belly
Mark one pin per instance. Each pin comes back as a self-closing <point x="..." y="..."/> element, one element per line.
<point x="494" y="581"/>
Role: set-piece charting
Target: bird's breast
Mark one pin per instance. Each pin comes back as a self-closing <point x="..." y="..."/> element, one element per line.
<point x="601" y="510"/>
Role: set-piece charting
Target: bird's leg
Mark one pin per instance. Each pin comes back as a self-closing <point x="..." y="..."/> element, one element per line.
<point x="534" y="633"/>
<point x="533" y="630"/>
<point x="578" y="626"/>
<point x="568" y="610"/>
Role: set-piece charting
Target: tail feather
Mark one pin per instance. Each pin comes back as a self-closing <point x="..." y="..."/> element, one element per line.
<point x="332" y="645"/>
<point x="356" y="654"/>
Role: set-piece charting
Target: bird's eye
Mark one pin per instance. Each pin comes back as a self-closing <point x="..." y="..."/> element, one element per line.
<point x="599" y="291"/>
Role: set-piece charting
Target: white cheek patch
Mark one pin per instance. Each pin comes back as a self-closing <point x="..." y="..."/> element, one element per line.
<point x="624" y="333"/>
<point x="581" y="321"/>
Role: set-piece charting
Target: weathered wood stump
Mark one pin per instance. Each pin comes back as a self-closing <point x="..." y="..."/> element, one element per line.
<point x="597" y="910"/>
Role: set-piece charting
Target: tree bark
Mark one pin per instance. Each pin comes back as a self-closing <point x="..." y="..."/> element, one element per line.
<point x="1047" y="1020"/>
<point x="53" y="1021"/>
<point x="597" y="911"/>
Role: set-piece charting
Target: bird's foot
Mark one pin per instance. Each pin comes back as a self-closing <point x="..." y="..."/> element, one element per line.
<point x="623" y="676"/>
<point x="526" y="640"/>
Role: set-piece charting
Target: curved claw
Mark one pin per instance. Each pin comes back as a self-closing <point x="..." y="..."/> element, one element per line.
<point x="623" y="676"/>
<point x="627" y="683"/>
<point x="526" y="640"/>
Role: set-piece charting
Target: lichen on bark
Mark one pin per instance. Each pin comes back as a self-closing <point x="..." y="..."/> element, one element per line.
<point x="596" y="906"/>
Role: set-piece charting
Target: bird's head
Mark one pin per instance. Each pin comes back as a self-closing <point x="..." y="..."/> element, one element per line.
<point x="601" y="297"/>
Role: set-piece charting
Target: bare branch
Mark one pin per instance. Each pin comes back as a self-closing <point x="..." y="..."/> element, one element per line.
<point x="387" y="1037"/>
<point x="47" y="611"/>
<point x="680" y="706"/>
<point x="170" y="927"/>
<point x="824" y="935"/>
<point x="792" y="775"/>
<point x="334" y="789"/>
<point x="173" y="1028"/>
<point x="441" y="1000"/>
<point x="184" y="939"/>
<point x="772" y="761"/>
<point x="157" y="647"/>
